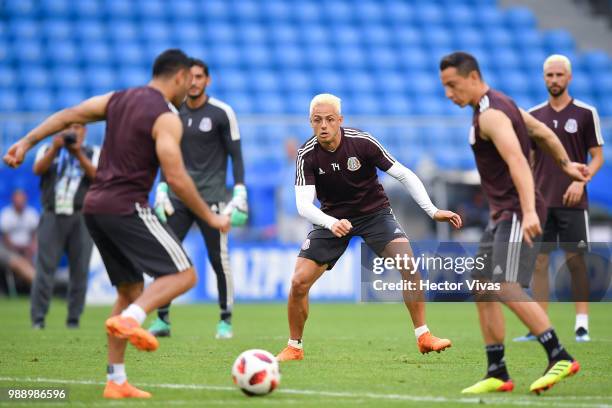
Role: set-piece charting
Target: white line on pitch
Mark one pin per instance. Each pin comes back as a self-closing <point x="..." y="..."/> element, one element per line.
<point x="336" y="394"/>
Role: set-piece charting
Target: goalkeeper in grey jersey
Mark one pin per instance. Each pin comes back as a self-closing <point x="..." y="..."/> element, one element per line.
<point x="210" y="135"/>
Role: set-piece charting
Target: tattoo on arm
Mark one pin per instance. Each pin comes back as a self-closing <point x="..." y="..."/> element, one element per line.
<point x="563" y="162"/>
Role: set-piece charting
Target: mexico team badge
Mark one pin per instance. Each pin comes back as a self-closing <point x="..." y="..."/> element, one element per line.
<point x="353" y="164"/>
<point x="205" y="125"/>
<point x="571" y="126"/>
<point x="306" y="244"/>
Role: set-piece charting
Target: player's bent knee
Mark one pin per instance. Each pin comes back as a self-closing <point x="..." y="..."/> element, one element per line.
<point x="190" y="277"/>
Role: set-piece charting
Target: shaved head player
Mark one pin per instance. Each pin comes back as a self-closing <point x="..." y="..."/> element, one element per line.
<point x="143" y="132"/>
<point x="500" y="137"/>
<point x="339" y="165"/>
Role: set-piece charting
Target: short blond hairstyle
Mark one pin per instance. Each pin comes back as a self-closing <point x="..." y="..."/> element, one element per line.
<point x="326" y="98"/>
<point x="558" y="58"/>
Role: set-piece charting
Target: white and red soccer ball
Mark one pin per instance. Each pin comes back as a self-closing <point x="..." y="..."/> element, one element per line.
<point x="256" y="372"/>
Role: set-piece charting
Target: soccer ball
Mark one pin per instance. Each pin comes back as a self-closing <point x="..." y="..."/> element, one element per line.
<point x="256" y="372"/>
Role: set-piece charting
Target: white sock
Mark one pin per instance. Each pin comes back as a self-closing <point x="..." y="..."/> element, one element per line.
<point x="116" y="373"/>
<point x="296" y="344"/>
<point x="419" y="331"/>
<point x="582" y="320"/>
<point x="134" y="311"/>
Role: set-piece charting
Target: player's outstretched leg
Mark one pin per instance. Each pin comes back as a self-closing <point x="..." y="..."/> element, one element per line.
<point x="415" y="300"/>
<point x="305" y="275"/>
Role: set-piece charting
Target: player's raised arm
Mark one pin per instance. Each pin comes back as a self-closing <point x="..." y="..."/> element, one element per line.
<point x="548" y="141"/>
<point x="167" y="132"/>
<point x="90" y="110"/>
<point x="383" y="160"/>
<point x="497" y="127"/>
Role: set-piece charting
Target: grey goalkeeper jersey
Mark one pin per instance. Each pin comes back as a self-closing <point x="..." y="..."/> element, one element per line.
<point x="210" y="136"/>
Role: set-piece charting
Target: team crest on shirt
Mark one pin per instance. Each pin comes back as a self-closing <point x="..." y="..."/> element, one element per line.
<point x="306" y="244"/>
<point x="205" y="125"/>
<point x="571" y="126"/>
<point x="353" y="164"/>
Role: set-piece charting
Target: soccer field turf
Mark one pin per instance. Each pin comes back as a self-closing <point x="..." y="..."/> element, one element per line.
<point x="356" y="355"/>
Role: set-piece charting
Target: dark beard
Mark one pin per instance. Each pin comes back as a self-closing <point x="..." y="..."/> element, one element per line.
<point x="192" y="97"/>
<point x="556" y="93"/>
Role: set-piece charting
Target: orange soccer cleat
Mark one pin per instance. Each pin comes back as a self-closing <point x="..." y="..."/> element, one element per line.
<point x="427" y="342"/>
<point x="290" y="353"/>
<point x="125" y="390"/>
<point x="128" y="328"/>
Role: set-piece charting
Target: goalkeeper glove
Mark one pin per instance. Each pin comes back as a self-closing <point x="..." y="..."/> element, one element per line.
<point x="237" y="208"/>
<point x="162" y="204"/>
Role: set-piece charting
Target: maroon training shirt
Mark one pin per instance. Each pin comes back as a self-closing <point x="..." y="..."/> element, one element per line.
<point x="128" y="161"/>
<point x="494" y="172"/>
<point x="577" y="127"/>
<point x="346" y="181"/>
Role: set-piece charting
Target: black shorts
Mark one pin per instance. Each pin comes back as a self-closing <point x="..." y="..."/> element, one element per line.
<point x="136" y="243"/>
<point x="506" y="257"/>
<point x="566" y="228"/>
<point x="376" y="229"/>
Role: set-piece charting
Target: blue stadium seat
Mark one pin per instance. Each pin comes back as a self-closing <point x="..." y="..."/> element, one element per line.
<point x="306" y="12"/>
<point x="289" y="56"/>
<point x="100" y="79"/>
<point x="368" y="12"/>
<point x="9" y="101"/>
<point x="360" y="81"/>
<point x="34" y="76"/>
<point x="28" y="51"/>
<point x="151" y="10"/>
<point x="245" y="11"/>
<point x="188" y="32"/>
<point x="557" y="40"/>
<point x="128" y="53"/>
<point x="318" y="56"/>
<point x="182" y="10"/>
<point x="392" y="81"/>
<point x="66" y="98"/>
<point x="96" y="52"/>
<point x="341" y="10"/>
<point x="24" y="29"/>
<point x="68" y="77"/>
<point x="528" y="39"/>
<point x="55" y="8"/>
<point x="520" y="18"/>
<point x="604" y="108"/>
<point x="242" y="102"/>
<point x="266" y="81"/>
<point x="122" y="30"/>
<point x="345" y="35"/>
<point x="296" y="81"/>
<point x="533" y="59"/>
<point x="39" y="100"/>
<point x="90" y="30"/>
<point x="429" y="14"/>
<point x="460" y="16"/>
<point x="57" y="30"/>
<point x="283" y="34"/>
<point x="232" y="80"/>
<point x="581" y="83"/>
<point x="437" y="36"/>
<point x="129" y="76"/>
<point x="362" y="103"/>
<point x="298" y="102"/>
<point x="154" y="30"/>
<point x="8" y="77"/>
<point x="523" y="100"/>
<point x="252" y="33"/>
<point x="407" y="37"/>
<point x="423" y="84"/>
<point x="118" y="9"/>
<point x="430" y="106"/>
<point x="257" y="56"/>
<point x="488" y="17"/>
<point x="413" y="58"/>
<point x="269" y="103"/>
<point x="504" y="58"/>
<point x="498" y="37"/>
<point x="350" y="57"/>
<point x="396" y="104"/>
<point x="331" y="81"/>
<point x="86" y="9"/>
<point x="468" y="39"/>
<point x="597" y="62"/>
<point x="375" y="35"/>
<point x="219" y="33"/>
<point x="513" y="82"/>
<point x="62" y="52"/>
<point x="20" y="8"/>
<point x="399" y="13"/>
<point x="276" y="11"/>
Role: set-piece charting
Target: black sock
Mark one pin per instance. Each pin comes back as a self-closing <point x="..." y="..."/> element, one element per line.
<point x="164" y="313"/>
<point x="226" y="316"/>
<point x="496" y="364"/>
<point x="553" y="348"/>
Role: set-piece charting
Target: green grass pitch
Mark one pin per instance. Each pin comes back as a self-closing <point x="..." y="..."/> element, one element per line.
<point x="357" y="355"/>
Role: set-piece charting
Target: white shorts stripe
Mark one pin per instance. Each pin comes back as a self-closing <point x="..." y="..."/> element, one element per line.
<point x="509" y="254"/>
<point x="517" y="253"/>
<point x="587" y="228"/>
<point x="176" y="253"/>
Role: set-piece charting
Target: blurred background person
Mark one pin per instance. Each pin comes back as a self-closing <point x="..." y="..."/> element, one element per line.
<point x="18" y="223"/>
<point x="66" y="168"/>
<point x="13" y="263"/>
<point x="292" y="228"/>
